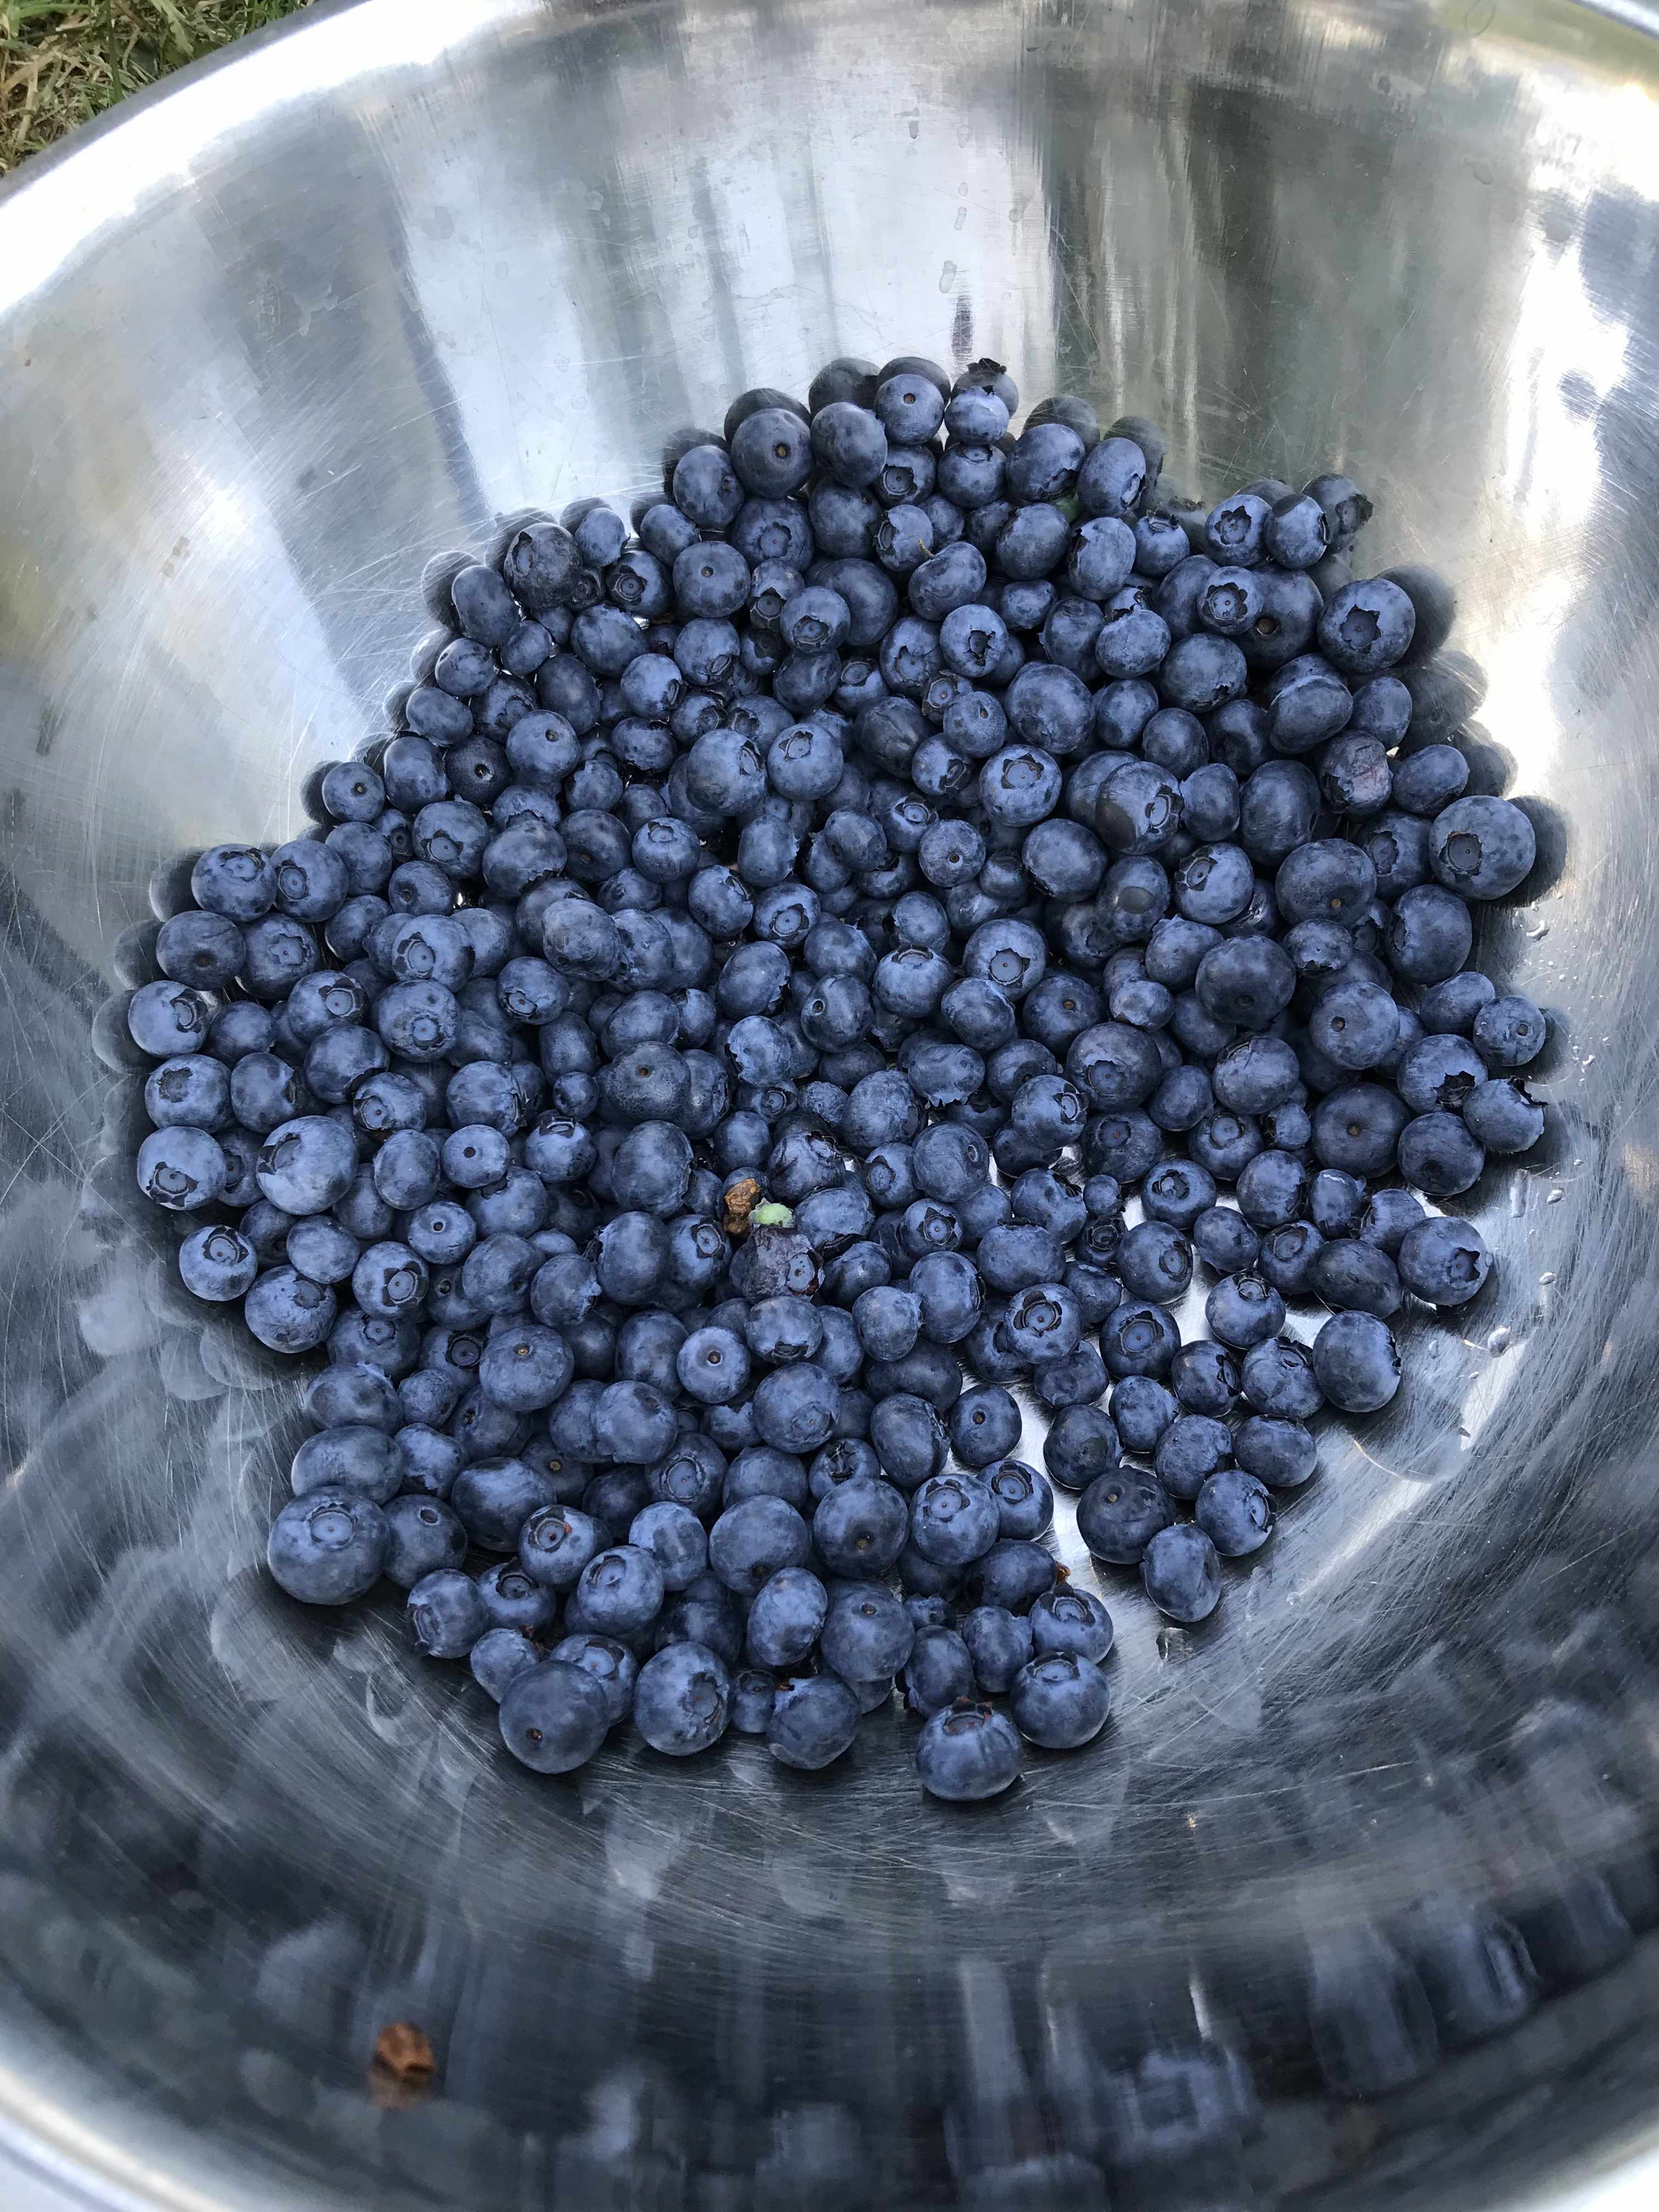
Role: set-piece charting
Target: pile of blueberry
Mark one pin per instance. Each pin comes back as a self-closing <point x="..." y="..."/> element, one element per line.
<point x="703" y="1060"/>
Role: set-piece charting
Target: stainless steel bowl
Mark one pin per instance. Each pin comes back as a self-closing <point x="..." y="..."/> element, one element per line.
<point x="1352" y="1906"/>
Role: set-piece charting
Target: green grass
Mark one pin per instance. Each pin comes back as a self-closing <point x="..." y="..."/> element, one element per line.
<point x="62" y="61"/>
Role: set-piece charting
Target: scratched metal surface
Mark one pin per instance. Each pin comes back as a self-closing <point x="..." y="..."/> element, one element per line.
<point x="272" y="344"/>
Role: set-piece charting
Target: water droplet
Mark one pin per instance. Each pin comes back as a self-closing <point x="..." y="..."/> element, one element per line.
<point x="1499" y="1341"/>
<point x="1555" y="1196"/>
<point x="1548" y="1275"/>
<point x="1543" y="930"/>
<point x="947" y="275"/>
<point x="962" y="217"/>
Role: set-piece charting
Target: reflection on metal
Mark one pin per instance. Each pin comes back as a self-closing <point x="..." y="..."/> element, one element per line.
<point x="277" y="343"/>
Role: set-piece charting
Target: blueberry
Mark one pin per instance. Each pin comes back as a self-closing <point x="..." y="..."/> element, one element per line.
<point x="1427" y="781"/>
<point x="866" y="1634"/>
<point x="218" y="1264"/>
<point x="795" y="1408"/>
<point x="761" y="1471"/>
<point x="985" y="1425"/>
<point x="1043" y="1322"/>
<point x="1139" y="1340"/>
<point x="1071" y="1620"/>
<point x="239" y="1028"/>
<point x="1236" y="530"/>
<point x="181" y="1168"/>
<point x="237" y="881"/>
<point x="1244" y="1310"/>
<point x="1482" y="848"/>
<point x="1297" y="534"/>
<point x="307" y="1164"/>
<point x="1061" y="1700"/>
<point x="1246" y="980"/>
<point x="967" y="1752"/>
<point x="1450" y="1007"/>
<point x="354" y="1456"/>
<point x="392" y="1345"/>
<point x="1205" y="1379"/>
<point x="1356" y="1025"/>
<point x="1357" y="1128"/>
<point x="607" y="1663"/>
<point x="556" y="1545"/>
<point x="499" y="1656"/>
<point x="1000" y="1644"/>
<point x="1318" y="950"/>
<point x="1509" y="1033"/>
<point x="1280" y="1454"/>
<point x="1428" y="933"/>
<point x="1082" y="1444"/>
<point x="860" y="1526"/>
<point x="753" y="1694"/>
<point x="692" y="1475"/>
<point x="948" y="1288"/>
<point x="495" y="1498"/>
<point x="909" y="407"/>
<point x="1235" y="1513"/>
<point x="1443" y="1261"/>
<point x="784" y="1619"/>
<point x="1440" y="1154"/>
<point x="953" y="1519"/>
<point x="938" y="1671"/>
<point x="1255" y="1075"/>
<point x="1346" y="508"/>
<point x="389" y="1279"/>
<point x="1024" y="1502"/>
<point x="1273" y="1190"/>
<point x="512" y="1600"/>
<point x="849" y="443"/>
<point x="1367" y="627"/>
<point x="328" y="1547"/>
<point x="1278" y="1378"/>
<point x="1355" y="1277"/>
<point x="1224" y="1240"/>
<point x="1120" y="1512"/>
<point x="1010" y="1574"/>
<point x="1190" y="1453"/>
<point x="446" y="1614"/>
<point x="1356" y="1362"/>
<point x="675" y="1538"/>
<point x="1181" y="1574"/>
<point x="207" y="951"/>
<point x="166" y="1019"/>
<point x="1016" y="1254"/>
<point x="1389" y="1215"/>
<point x="428" y="1461"/>
<point x="1287" y="1257"/>
<point x="1111" y="481"/>
<point x="287" y="1313"/>
<point x="753" y="1541"/>
<point x="553" y="1716"/>
<point x="1154" y="1262"/>
<point x="620" y="1590"/>
<point x="813" y="1721"/>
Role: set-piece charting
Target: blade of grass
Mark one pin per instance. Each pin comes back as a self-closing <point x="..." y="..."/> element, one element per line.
<point x="62" y="61"/>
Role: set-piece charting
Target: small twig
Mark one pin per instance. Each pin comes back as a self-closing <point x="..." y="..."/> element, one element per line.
<point x="741" y="1202"/>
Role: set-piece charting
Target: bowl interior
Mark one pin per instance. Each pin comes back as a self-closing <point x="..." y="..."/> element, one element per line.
<point x="280" y="343"/>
